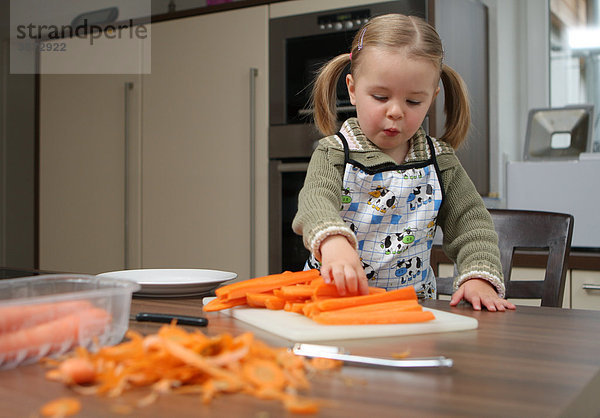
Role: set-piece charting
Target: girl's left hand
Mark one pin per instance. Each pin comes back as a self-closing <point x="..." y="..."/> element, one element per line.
<point x="480" y="292"/>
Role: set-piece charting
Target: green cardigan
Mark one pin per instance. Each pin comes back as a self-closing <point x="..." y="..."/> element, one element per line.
<point x="469" y="236"/>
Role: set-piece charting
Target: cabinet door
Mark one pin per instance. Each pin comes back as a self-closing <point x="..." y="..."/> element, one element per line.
<point x="585" y="289"/>
<point x="196" y="128"/>
<point x="82" y="170"/>
<point x="89" y="155"/>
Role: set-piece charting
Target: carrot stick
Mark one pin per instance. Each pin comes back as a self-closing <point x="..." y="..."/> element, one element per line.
<point x="265" y="283"/>
<point x="317" y="281"/>
<point x="403" y="293"/>
<point x="220" y="304"/>
<point x="274" y="303"/>
<point x="400" y="305"/>
<point x="55" y="334"/>
<point x="309" y="309"/>
<point x="297" y="292"/>
<point x="330" y="290"/>
<point x="257" y="300"/>
<point x="379" y="317"/>
<point x="13" y="318"/>
<point x="297" y="307"/>
<point x="61" y="407"/>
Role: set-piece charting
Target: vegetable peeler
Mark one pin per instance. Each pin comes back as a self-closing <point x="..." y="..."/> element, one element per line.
<point x="339" y="353"/>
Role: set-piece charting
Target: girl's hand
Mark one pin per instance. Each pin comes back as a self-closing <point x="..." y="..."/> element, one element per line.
<point x="480" y="292"/>
<point x="341" y="265"/>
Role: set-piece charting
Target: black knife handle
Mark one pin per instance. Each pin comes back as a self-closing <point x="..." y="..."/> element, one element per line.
<point x="167" y="318"/>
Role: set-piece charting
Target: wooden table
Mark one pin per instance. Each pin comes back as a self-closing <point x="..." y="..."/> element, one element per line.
<point x="531" y="362"/>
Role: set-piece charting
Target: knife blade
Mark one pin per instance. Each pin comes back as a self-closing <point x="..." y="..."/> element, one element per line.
<point x="338" y="353"/>
<point x="167" y="318"/>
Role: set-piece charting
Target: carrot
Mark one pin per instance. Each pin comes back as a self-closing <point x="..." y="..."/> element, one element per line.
<point x="296" y="307"/>
<point x="220" y="304"/>
<point x="274" y="303"/>
<point x="399" y="305"/>
<point x="77" y="370"/>
<point x="61" y="407"/>
<point x="264" y="373"/>
<point x="310" y="308"/>
<point x="265" y="283"/>
<point x="13" y="318"/>
<point x="321" y="363"/>
<point x="317" y="282"/>
<point x="257" y="300"/>
<point x="403" y="293"/>
<point x="297" y="405"/>
<point x="55" y="335"/>
<point x="330" y="290"/>
<point x="175" y="360"/>
<point x="379" y="317"/>
<point x="297" y="291"/>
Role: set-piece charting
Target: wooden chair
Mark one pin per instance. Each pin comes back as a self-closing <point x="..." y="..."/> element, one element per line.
<point x="546" y="232"/>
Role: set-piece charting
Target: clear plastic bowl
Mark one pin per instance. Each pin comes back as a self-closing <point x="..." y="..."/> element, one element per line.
<point x="35" y="304"/>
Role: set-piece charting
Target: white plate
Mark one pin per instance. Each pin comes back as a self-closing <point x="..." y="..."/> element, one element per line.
<point x="173" y="282"/>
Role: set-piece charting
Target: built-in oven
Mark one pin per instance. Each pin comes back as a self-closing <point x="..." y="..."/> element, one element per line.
<point x="299" y="45"/>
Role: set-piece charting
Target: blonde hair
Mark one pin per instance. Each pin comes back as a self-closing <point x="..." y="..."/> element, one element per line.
<point x="419" y="40"/>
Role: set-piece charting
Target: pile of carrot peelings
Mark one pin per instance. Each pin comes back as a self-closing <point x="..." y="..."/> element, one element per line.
<point x="306" y="293"/>
<point x="177" y="361"/>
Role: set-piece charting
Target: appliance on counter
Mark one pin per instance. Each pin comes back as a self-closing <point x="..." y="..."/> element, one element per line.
<point x="561" y="133"/>
<point x="559" y="173"/>
<point x="300" y="44"/>
<point x="568" y="186"/>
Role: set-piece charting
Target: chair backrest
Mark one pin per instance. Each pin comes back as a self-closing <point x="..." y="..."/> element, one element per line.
<point x="548" y="232"/>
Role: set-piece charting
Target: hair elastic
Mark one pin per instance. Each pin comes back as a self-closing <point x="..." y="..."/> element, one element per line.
<point x="350" y="56"/>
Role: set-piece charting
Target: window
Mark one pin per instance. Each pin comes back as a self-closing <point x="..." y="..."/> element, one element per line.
<point x="575" y="56"/>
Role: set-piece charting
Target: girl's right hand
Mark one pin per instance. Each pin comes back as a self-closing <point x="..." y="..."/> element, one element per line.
<point x="341" y="265"/>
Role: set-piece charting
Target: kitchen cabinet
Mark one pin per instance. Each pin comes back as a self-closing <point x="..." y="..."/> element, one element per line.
<point x="82" y="169"/>
<point x="585" y="289"/>
<point x="196" y="186"/>
<point x="582" y="287"/>
<point x="188" y="196"/>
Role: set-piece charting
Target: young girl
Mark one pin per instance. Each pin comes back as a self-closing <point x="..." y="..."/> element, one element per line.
<point x="376" y="189"/>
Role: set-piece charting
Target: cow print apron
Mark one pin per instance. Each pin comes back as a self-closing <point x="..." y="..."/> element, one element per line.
<point x="393" y="213"/>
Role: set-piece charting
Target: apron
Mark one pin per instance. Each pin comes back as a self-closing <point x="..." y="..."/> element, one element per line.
<point x="393" y="212"/>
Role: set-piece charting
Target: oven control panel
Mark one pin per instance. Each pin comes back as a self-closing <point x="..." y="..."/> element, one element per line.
<point x="344" y="21"/>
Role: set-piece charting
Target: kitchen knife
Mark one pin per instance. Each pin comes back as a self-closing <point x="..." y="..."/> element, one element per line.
<point x="338" y="353"/>
<point x="167" y="318"/>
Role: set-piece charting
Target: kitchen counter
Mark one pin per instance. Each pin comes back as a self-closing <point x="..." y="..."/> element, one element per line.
<point x="529" y="362"/>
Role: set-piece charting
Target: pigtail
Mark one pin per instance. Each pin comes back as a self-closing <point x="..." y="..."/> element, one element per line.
<point x="324" y="95"/>
<point x="456" y="107"/>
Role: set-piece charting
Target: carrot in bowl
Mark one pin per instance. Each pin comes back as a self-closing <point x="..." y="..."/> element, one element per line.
<point x="13" y="318"/>
<point x="58" y="334"/>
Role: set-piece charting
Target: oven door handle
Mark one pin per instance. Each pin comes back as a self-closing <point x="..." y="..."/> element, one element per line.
<point x="291" y="167"/>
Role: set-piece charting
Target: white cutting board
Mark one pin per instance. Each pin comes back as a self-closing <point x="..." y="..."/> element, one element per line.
<point x="299" y="328"/>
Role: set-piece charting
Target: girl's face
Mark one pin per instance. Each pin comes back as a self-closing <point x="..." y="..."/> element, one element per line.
<point x="392" y="94"/>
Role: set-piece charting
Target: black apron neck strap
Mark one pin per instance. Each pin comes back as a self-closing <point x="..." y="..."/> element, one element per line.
<point x="345" y="145"/>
